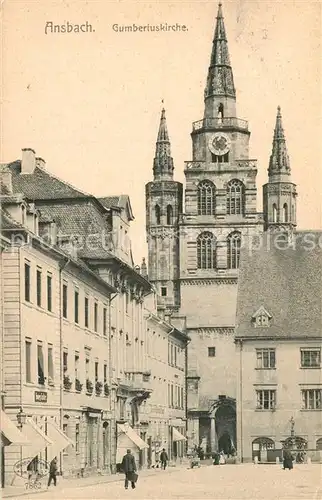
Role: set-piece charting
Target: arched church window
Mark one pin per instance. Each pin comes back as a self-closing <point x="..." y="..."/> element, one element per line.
<point x="206" y="198"/>
<point x="157" y="214"/>
<point x="233" y="250"/>
<point x="220" y="112"/>
<point x="235" y="197"/>
<point x="274" y="212"/>
<point x="169" y="215"/>
<point x="206" y="251"/>
<point x="293" y="213"/>
<point x="285" y="212"/>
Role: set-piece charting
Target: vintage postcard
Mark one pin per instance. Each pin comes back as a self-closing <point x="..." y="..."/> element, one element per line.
<point x="161" y="249"/>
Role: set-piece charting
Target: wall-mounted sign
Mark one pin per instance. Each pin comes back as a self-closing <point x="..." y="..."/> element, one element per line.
<point x="40" y="397"/>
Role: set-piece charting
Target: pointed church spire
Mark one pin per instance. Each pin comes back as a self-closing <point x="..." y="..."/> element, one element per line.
<point x="279" y="161"/>
<point x="220" y="80"/>
<point x="163" y="162"/>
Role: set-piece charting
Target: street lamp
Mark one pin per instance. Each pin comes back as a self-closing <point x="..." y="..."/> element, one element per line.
<point x="21" y="418"/>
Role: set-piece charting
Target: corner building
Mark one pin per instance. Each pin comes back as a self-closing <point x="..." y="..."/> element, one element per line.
<point x="194" y="251"/>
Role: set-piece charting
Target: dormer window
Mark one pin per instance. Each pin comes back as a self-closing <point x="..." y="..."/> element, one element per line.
<point x="261" y="318"/>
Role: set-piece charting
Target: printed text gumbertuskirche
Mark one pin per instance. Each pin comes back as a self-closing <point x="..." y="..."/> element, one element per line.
<point x="135" y="28"/>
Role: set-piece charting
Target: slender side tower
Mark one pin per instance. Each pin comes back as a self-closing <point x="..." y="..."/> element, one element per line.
<point x="279" y="194"/>
<point x="163" y="206"/>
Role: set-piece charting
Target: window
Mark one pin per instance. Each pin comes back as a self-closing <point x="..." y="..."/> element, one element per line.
<point x="211" y="352"/>
<point x="285" y="212"/>
<point x="311" y="399"/>
<point x="77" y="438"/>
<point x="169" y="215"/>
<point x="175" y="355"/>
<point x="206" y="198"/>
<point x="122" y="408"/>
<point x="104" y="321"/>
<point x="274" y="212"/>
<point x="163" y="291"/>
<point x="96" y="371"/>
<point x="206" y="251"/>
<point x="87" y="367"/>
<point x="76" y="366"/>
<point x="49" y="292"/>
<point x="182" y="402"/>
<point x="27" y="282"/>
<point x="220" y="158"/>
<point x="28" y="360"/>
<point x="65" y="300"/>
<point x="105" y="373"/>
<point x="235" y="198"/>
<point x="310" y="358"/>
<point x="266" y="399"/>
<point x="265" y="358"/>
<point x="50" y="364"/>
<point x="157" y="214"/>
<point x="65" y="361"/>
<point x="127" y="298"/>
<point x="95" y="316"/>
<point x="233" y="250"/>
<point x="171" y="401"/>
<point x="319" y="444"/>
<point x="262" y="320"/>
<point x="86" y="310"/>
<point x="40" y="356"/>
<point x="76" y="306"/>
<point x="38" y="274"/>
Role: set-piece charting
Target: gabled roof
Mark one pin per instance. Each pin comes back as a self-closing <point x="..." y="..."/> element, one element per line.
<point x="288" y="281"/>
<point x="122" y="201"/>
<point x="261" y="311"/>
<point x="41" y="184"/>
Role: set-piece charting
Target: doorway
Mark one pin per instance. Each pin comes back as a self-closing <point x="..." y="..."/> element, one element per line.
<point x="225" y="418"/>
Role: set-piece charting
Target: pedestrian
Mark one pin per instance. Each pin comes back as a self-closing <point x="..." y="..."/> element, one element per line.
<point x="129" y="469"/>
<point x="287" y="459"/>
<point x="164" y="459"/>
<point x="53" y="472"/>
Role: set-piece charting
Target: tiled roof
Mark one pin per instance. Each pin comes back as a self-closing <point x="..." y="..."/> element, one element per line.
<point x="41" y="185"/>
<point x="121" y="201"/>
<point x="287" y="283"/>
<point x="6" y="221"/>
<point x="109" y="201"/>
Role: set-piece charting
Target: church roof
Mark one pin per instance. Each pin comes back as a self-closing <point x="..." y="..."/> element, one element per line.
<point x="287" y="282"/>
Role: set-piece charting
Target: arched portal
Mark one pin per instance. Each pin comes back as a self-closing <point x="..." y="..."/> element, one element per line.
<point x="225" y="422"/>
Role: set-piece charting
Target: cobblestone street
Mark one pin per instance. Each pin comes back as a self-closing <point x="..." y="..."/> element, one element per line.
<point x="232" y="482"/>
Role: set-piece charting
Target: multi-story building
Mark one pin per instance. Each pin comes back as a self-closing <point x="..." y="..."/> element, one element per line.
<point x="55" y="347"/>
<point x="279" y="341"/>
<point x="194" y="251"/>
<point x="164" y="413"/>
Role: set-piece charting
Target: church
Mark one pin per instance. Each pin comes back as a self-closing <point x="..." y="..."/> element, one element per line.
<point x="195" y="234"/>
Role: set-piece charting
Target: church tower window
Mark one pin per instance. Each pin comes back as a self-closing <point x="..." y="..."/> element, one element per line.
<point x="285" y="212"/>
<point x="233" y="250"/>
<point x="235" y="198"/>
<point x="274" y="212"/>
<point x="157" y="214"/>
<point x="206" y="251"/>
<point x="206" y="198"/>
<point x="169" y="215"/>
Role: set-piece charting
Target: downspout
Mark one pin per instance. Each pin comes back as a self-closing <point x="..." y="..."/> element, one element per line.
<point x="241" y="397"/>
<point x="112" y="395"/>
<point x="61" y="374"/>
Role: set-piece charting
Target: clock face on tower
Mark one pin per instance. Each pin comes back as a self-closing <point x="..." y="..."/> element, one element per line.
<point x="219" y="144"/>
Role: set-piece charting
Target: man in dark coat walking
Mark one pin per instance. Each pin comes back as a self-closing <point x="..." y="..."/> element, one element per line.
<point x="287" y="459"/>
<point x="129" y="469"/>
<point x="52" y="472"/>
<point x="163" y="459"/>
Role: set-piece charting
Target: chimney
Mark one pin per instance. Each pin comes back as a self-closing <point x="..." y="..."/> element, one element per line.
<point x="40" y="162"/>
<point x="6" y="181"/>
<point x="28" y="161"/>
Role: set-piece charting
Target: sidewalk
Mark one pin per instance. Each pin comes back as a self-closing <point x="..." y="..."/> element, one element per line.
<point x="63" y="483"/>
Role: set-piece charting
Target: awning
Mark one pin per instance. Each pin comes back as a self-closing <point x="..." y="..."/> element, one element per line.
<point x="11" y="432"/>
<point x="177" y="436"/>
<point x="59" y="439"/>
<point x="132" y="435"/>
<point x="39" y="441"/>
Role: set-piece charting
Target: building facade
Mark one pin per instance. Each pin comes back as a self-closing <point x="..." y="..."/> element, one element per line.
<point x="194" y="250"/>
<point x="278" y="341"/>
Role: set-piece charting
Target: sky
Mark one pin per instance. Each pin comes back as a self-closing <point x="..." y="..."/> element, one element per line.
<point x="89" y="103"/>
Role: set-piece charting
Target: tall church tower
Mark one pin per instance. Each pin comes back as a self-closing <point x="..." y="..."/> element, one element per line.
<point x="163" y="207"/>
<point x="220" y="211"/>
<point x="279" y="194"/>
